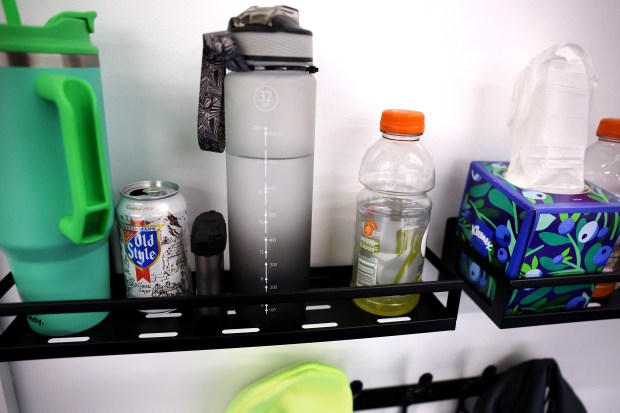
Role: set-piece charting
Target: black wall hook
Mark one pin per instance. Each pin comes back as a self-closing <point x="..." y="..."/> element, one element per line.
<point x="417" y="392"/>
<point x="356" y="388"/>
<point x="426" y="390"/>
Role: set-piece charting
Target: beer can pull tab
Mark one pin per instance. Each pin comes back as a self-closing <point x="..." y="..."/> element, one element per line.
<point x="208" y="242"/>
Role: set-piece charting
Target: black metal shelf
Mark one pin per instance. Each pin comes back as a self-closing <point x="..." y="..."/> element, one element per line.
<point x="330" y="315"/>
<point x="607" y="308"/>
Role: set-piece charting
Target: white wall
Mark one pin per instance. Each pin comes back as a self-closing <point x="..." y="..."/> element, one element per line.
<point x="454" y="60"/>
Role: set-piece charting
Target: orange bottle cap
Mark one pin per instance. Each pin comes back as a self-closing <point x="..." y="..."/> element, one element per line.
<point x="609" y="128"/>
<point x="603" y="290"/>
<point x="404" y="122"/>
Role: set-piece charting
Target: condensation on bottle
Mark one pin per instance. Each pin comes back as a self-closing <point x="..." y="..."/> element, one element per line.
<point x="602" y="167"/>
<point x="393" y="211"/>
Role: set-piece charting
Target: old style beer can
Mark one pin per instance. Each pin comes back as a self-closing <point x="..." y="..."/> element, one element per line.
<point x="152" y="225"/>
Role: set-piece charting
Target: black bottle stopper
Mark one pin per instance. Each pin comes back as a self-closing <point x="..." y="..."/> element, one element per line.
<point x="208" y="241"/>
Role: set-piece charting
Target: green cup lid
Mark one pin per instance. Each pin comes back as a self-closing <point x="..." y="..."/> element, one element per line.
<point x="66" y="33"/>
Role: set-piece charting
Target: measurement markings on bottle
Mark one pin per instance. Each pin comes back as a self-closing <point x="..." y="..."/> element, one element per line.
<point x="268" y="217"/>
<point x="266" y="191"/>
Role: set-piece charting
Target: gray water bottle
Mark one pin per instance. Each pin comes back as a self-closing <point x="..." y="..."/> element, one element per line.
<point x="270" y="120"/>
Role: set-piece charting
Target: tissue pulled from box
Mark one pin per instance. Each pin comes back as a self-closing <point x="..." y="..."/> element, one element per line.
<point x="549" y="120"/>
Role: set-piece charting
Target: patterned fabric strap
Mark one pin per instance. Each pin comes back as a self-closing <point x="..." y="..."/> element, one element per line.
<point x="219" y="53"/>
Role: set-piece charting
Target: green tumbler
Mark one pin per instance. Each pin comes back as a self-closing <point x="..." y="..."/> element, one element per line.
<point x="57" y="205"/>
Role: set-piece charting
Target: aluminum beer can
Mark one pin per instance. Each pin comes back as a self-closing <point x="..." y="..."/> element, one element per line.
<point x="153" y="235"/>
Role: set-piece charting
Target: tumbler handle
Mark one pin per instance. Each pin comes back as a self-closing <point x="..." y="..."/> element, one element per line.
<point x="85" y="154"/>
<point x="11" y="13"/>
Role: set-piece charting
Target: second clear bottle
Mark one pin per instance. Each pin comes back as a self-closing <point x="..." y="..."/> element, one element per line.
<point x="393" y="211"/>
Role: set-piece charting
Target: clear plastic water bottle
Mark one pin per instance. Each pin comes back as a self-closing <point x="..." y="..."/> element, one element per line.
<point x="393" y="211"/>
<point x="602" y="161"/>
<point x="602" y="167"/>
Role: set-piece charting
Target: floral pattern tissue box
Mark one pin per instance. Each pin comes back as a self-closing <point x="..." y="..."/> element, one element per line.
<point x="534" y="234"/>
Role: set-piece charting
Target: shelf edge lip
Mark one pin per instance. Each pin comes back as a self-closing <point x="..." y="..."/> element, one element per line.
<point x="315" y="295"/>
<point x="179" y="344"/>
<point x="565" y="280"/>
<point x="575" y="316"/>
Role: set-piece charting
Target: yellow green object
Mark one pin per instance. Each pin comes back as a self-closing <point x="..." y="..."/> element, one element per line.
<point x="304" y="388"/>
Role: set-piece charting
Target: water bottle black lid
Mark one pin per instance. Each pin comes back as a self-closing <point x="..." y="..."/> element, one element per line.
<point x="208" y="234"/>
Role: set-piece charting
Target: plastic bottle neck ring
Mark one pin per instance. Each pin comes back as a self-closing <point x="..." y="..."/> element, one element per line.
<point x="401" y="136"/>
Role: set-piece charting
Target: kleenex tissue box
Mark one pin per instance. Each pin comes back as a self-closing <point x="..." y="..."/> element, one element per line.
<point x="534" y="234"/>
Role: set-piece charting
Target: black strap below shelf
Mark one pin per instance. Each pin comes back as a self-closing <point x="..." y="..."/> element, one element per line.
<point x="6" y="283"/>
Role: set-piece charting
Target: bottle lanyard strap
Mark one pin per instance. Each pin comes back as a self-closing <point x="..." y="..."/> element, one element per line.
<point x="219" y="53"/>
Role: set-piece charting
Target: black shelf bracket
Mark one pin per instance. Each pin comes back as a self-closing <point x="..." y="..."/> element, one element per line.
<point x="607" y="308"/>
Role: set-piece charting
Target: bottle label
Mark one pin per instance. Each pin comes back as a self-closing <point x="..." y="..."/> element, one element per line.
<point x="154" y="254"/>
<point x="142" y="247"/>
<point x="390" y="252"/>
<point x="366" y="270"/>
<point x="370" y="245"/>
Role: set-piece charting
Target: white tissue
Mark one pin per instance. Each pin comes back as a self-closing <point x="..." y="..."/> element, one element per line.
<point x="549" y="121"/>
